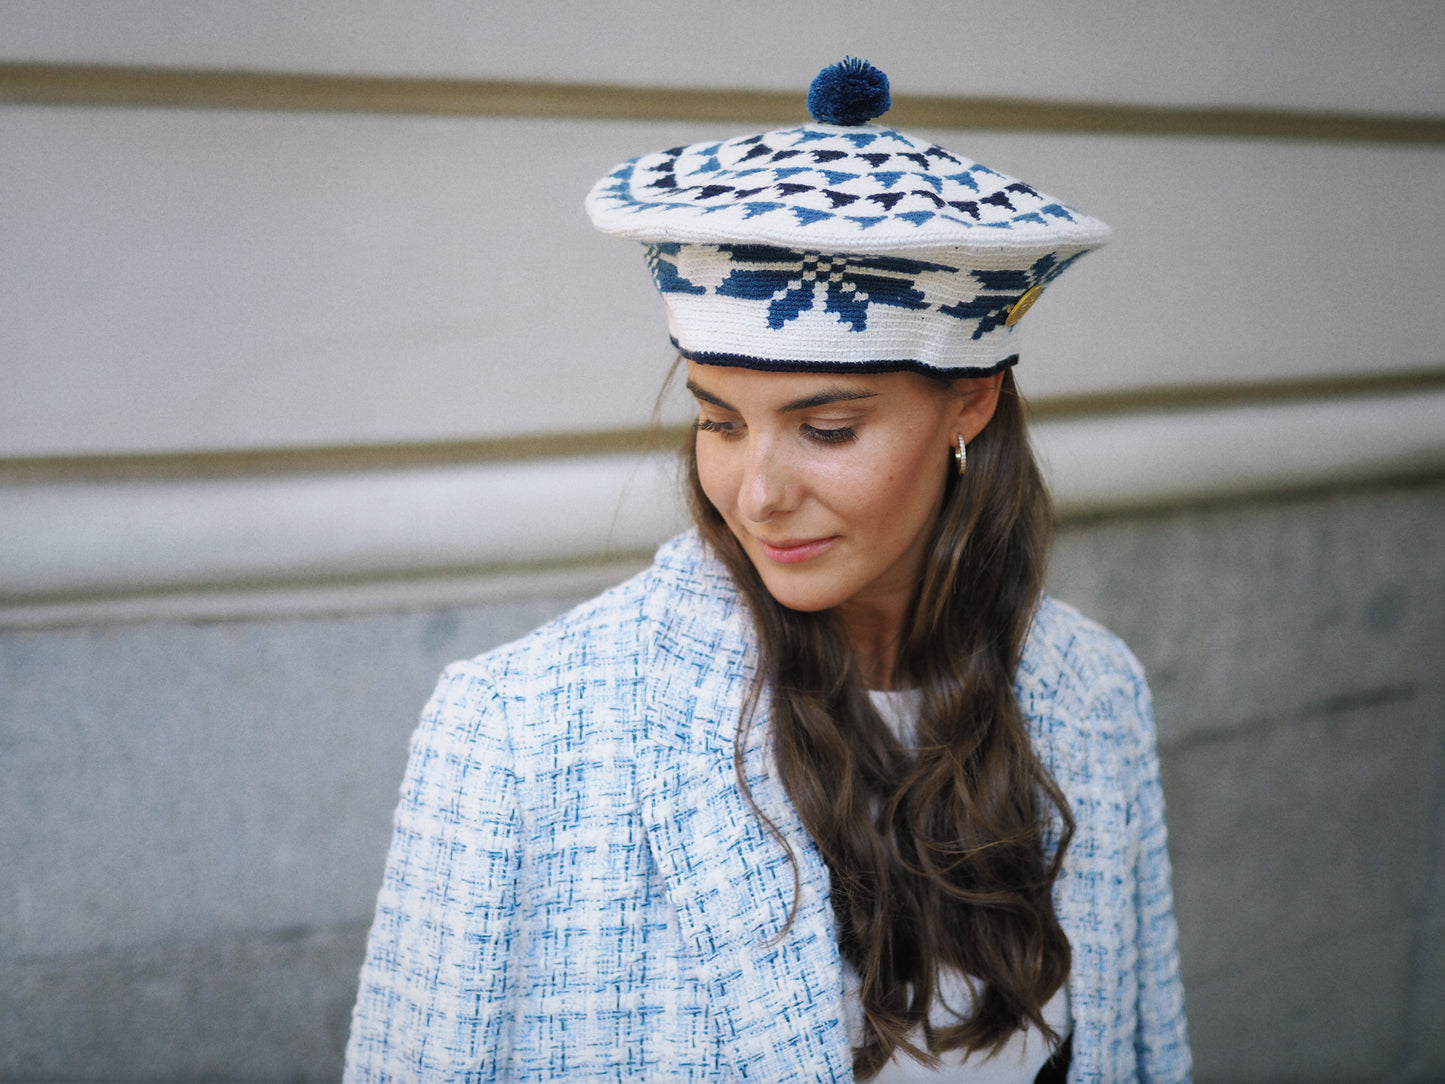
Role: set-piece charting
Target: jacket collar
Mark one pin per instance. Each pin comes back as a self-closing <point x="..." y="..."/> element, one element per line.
<point x="777" y="998"/>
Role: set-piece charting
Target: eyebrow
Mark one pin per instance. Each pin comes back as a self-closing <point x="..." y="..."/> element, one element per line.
<point x="823" y="398"/>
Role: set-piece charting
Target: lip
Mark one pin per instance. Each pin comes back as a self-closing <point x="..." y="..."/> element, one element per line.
<point x="792" y="551"/>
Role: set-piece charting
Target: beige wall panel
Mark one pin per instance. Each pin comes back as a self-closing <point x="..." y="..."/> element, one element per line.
<point x="1235" y="260"/>
<point x="177" y="280"/>
<point x="1367" y="55"/>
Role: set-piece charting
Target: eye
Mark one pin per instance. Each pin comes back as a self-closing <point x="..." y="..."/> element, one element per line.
<point x="842" y="435"/>
<point x="707" y="425"/>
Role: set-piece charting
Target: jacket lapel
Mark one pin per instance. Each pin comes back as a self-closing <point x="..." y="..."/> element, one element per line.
<point x="1086" y="898"/>
<point x="776" y="999"/>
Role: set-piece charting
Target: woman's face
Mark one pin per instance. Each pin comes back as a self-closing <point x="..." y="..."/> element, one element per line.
<point x="831" y="483"/>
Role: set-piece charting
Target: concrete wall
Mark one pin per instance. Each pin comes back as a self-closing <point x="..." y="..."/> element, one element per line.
<point x="276" y="446"/>
<point x="1296" y="651"/>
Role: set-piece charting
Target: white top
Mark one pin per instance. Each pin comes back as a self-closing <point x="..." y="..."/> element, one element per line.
<point x="1026" y="1051"/>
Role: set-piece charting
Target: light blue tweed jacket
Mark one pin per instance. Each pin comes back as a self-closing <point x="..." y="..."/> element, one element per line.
<point x="577" y="890"/>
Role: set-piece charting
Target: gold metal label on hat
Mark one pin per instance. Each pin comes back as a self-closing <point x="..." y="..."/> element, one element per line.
<point x="1023" y="304"/>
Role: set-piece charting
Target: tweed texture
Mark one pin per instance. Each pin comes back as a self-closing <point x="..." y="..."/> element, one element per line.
<point x="576" y="888"/>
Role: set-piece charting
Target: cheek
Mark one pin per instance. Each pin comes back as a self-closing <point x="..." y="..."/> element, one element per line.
<point x="905" y="501"/>
<point x="904" y="481"/>
<point x="712" y="473"/>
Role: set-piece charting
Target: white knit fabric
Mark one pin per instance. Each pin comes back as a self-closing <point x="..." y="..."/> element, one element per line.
<point x="925" y="253"/>
<point x="867" y="189"/>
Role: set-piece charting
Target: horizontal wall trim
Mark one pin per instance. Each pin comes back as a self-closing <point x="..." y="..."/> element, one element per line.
<point x="107" y="85"/>
<point x="64" y="547"/>
<point x="1239" y="393"/>
<point x="337" y="458"/>
<point x="290" y="600"/>
<point x="361" y="457"/>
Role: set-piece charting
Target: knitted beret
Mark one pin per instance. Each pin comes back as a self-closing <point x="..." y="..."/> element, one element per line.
<point x="840" y="245"/>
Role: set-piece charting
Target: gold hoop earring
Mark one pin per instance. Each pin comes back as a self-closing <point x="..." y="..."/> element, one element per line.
<point x="960" y="455"/>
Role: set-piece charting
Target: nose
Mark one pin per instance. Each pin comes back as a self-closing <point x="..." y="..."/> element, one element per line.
<point x="766" y="487"/>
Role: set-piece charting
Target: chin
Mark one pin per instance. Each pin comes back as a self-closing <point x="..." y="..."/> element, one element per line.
<point x="793" y="595"/>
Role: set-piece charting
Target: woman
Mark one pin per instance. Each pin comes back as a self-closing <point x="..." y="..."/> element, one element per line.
<point x="830" y="789"/>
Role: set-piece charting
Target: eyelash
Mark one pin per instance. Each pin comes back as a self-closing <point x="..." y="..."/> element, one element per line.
<point x="843" y="435"/>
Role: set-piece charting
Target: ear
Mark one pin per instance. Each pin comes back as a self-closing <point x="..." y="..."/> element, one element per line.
<point x="977" y="398"/>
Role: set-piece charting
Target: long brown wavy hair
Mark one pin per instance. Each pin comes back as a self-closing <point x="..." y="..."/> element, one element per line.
<point x="937" y="854"/>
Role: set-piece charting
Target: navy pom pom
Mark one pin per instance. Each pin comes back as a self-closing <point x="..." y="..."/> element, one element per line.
<point x="851" y="92"/>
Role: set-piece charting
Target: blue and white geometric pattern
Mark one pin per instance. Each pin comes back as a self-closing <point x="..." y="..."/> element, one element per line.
<point x="866" y="189"/>
<point x="767" y="307"/>
<point x="990" y="310"/>
<point x="824" y="247"/>
<point x="791" y="282"/>
<point x="847" y="284"/>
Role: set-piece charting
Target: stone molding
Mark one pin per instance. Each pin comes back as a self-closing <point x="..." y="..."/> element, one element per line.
<point x="77" y="549"/>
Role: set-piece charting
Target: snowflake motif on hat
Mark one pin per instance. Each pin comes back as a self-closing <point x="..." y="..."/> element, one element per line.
<point x="791" y="282"/>
<point x="662" y="262"/>
<point x="991" y="310"/>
